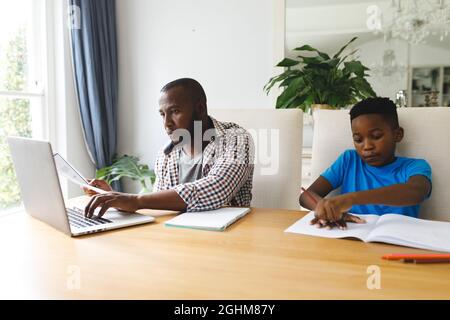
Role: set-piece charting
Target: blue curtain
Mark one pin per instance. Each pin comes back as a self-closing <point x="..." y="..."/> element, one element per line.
<point x="94" y="55"/>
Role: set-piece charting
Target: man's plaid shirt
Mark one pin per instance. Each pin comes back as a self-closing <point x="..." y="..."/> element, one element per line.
<point x="227" y="171"/>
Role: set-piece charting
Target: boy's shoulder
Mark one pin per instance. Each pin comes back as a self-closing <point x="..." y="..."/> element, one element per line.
<point x="407" y="161"/>
<point x="346" y="158"/>
<point x="349" y="155"/>
<point x="352" y="155"/>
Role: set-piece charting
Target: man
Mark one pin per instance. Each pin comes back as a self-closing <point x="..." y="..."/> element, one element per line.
<point x="206" y="165"/>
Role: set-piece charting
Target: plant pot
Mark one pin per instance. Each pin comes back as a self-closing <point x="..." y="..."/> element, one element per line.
<point x="315" y="107"/>
<point x="321" y="106"/>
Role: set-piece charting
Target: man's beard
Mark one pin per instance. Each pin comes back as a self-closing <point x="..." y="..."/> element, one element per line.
<point x="178" y="139"/>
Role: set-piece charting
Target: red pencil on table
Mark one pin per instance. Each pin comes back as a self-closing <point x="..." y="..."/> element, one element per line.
<point x="419" y="258"/>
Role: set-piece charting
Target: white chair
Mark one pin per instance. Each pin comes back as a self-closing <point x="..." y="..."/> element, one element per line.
<point x="278" y="144"/>
<point x="426" y="134"/>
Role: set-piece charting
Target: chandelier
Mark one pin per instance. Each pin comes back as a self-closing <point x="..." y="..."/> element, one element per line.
<point x="389" y="67"/>
<point x="415" y="20"/>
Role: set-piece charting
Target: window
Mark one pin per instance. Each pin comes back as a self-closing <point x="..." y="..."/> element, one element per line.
<point x="22" y="107"/>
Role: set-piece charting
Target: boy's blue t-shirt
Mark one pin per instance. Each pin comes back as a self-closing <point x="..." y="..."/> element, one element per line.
<point x="352" y="174"/>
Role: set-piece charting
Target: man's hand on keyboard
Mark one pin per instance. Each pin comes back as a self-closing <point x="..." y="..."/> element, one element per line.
<point x="122" y="201"/>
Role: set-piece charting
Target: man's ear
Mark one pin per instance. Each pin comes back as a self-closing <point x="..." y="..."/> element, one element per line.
<point x="200" y="109"/>
<point x="399" y="133"/>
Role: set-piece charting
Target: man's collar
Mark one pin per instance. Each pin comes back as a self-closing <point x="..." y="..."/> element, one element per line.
<point x="218" y="126"/>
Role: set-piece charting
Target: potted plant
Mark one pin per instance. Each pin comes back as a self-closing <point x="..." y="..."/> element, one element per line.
<point x="128" y="166"/>
<point x="332" y="82"/>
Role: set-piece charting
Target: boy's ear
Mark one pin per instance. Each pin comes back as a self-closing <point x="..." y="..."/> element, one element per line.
<point x="399" y="133"/>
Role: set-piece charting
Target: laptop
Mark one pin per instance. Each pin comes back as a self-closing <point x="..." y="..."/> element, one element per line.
<point x="42" y="196"/>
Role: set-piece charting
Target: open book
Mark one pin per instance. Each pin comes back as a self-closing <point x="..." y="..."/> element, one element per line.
<point x="215" y="220"/>
<point x="389" y="228"/>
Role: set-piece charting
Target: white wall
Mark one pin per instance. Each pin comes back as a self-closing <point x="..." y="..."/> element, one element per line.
<point x="226" y="45"/>
<point x="328" y="25"/>
<point x="423" y="55"/>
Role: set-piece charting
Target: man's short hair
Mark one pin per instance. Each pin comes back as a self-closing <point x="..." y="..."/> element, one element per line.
<point x="382" y="106"/>
<point x="191" y="86"/>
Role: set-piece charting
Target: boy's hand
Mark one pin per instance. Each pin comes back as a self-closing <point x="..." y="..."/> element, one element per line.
<point x="101" y="184"/>
<point x="341" y="224"/>
<point x="332" y="212"/>
<point x="333" y="209"/>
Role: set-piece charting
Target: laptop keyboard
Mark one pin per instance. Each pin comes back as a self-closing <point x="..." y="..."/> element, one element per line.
<point x="77" y="219"/>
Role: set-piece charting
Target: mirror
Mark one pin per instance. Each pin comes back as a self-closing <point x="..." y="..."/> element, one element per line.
<point x="421" y="70"/>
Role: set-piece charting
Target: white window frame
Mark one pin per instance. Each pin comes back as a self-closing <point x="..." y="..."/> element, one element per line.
<point x="38" y="62"/>
<point x="57" y="88"/>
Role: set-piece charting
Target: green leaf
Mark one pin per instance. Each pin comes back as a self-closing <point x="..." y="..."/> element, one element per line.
<point x="307" y="47"/>
<point x="290" y="93"/>
<point x="286" y="82"/>
<point x="348" y="55"/>
<point x="280" y="78"/>
<point x="363" y="88"/>
<point x="336" y="81"/>
<point x="299" y="102"/>
<point x="331" y="62"/>
<point x="286" y="62"/>
<point x="344" y="47"/>
<point x="312" y="60"/>
<point x="125" y="166"/>
<point x="355" y="67"/>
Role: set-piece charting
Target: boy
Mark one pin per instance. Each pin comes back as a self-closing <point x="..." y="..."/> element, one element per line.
<point x="372" y="179"/>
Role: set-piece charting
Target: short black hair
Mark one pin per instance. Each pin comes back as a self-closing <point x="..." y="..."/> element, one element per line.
<point x="382" y="106"/>
<point x="193" y="87"/>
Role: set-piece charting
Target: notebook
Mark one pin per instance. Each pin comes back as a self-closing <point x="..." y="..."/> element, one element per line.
<point x="214" y="220"/>
<point x="389" y="228"/>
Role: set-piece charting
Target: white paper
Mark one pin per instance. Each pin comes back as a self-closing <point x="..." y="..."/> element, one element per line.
<point x="389" y="228"/>
<point x="354" y="230"/>
<point x="209" y="220"/>
<point x="66" y="170"/>
<point x="412" y="232"/>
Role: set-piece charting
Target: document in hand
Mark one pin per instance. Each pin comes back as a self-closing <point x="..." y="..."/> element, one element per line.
<point x="214" y="220"/>
<point x="389" y="228"/>
<point x="66" y="170"/>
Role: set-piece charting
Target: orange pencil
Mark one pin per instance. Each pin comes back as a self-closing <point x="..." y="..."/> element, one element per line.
<point x="419" y="258"/>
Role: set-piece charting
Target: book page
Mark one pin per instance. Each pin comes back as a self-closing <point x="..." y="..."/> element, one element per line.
<point x="354" y="230"/>
<point x="412" y="232"/>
